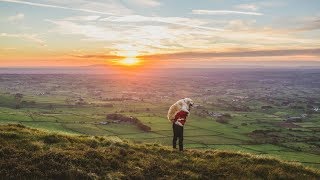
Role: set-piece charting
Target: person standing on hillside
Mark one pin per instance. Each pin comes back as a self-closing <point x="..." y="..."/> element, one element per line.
<point x="178" y="114"/>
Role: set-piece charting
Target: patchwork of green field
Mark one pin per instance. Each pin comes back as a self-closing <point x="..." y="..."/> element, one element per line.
<point x="260" y="124"/>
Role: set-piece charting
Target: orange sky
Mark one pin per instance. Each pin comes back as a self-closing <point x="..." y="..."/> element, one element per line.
<point x="157" y="33"/>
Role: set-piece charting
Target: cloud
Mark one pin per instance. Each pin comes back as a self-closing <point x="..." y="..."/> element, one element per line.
<point x="105" y="8"/>
<point x="16" y="17"/>
<point x="82" y="18"/>
<point x="149" y="35"/>
<point x="257" y="5"/>
<point x="208" y="59"/>
<point x="150" y="3"/>
<point x="223" y="12"/>
<point x="144" y="39"/>
<point x="250" y="7"/>
<point x="238" y="24"/>
<point x="309" y="24"/>
<point x="30" y="37"/>
<point x="92" y="32"/>
<point x="180" y="21"/>
<point x="98" y="56"/>
<point x="298" y="24"/>
<point x="248" y="53"/>
<point x="8" y="49"/>
<point x="271" y="3"/>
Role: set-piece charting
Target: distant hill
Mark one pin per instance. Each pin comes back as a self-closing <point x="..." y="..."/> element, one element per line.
<point x="34" y="154"/>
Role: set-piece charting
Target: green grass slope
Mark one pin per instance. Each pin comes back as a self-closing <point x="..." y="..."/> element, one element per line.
<point x="33" y="154"/>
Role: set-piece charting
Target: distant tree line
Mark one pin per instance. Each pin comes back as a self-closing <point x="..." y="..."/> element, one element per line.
<point x="117" y="99"/>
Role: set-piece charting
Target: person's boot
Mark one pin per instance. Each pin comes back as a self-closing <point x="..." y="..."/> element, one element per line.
<point x="174" y="144"/>
<point x="180" y="147"/>
<point x="181" y="144"/>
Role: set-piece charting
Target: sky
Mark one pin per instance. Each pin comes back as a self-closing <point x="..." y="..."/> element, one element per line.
<point x="167" y="33"/>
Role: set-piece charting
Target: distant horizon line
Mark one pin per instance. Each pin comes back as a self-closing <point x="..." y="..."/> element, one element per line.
<point x="243" y="64"/>
<point x="269" y="66"/>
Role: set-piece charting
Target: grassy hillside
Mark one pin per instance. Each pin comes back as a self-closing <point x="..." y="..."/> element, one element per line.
<point x="31" y="153"/>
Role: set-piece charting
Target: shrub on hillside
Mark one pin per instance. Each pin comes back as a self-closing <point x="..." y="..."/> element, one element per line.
<point x="52" y="139"/>
<point x="130" y="119"/>
<point x="224" y="119"/>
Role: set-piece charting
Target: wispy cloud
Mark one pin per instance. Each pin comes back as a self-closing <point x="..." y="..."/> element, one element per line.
<point x="250" y="7"/>
<point x="31" y="37"/>
<point x="180" y="21"/>
<point x="82" y="18"/>
<point x="296" y="24"/>
<point x="143" y="39"/>
<point x="170" y="35"/>
<point x="16" y="17"/>
<point x="98" y="56"/>
<point x="248" y="53"/>
<point x="8" y="49"/>
<point x="150" y="3"/>
<point x="223" y="12"/>
<point x="56" y="6"/>
<point x="91" y="32"/>
<point x="240" y="25"/>
<point x="309" y="24"/>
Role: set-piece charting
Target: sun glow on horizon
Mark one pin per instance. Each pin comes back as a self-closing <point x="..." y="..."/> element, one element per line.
<point x="130" y="61"/>
<point x="130" y="54"/>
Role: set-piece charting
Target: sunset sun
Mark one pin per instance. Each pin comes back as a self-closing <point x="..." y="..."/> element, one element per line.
<point x="130" y="61"/>
<point x="129" y="54"/>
